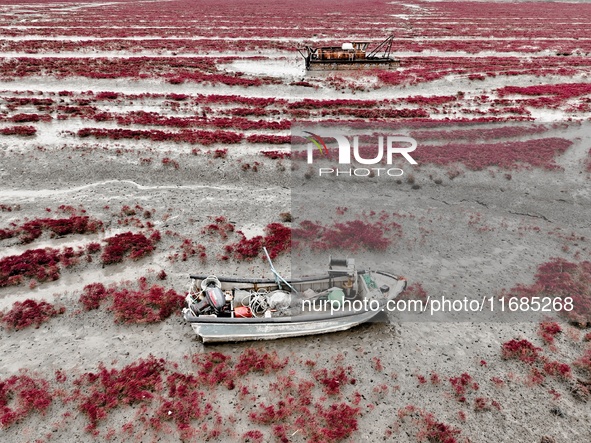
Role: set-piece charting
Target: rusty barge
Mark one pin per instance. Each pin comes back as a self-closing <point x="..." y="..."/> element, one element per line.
<point x="349" y="56"/>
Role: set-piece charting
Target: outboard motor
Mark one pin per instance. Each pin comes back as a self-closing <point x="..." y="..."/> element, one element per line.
<point x="214" y="300"/>
<point x="215" y="297"/>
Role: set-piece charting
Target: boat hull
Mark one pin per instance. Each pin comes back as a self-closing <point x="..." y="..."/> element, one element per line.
<point x="343" y="65"/>
<point x="226" y="332"/>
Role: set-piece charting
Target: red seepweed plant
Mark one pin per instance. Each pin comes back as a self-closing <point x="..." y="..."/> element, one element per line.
<point x="133" y="304"/>
<point x="39" y="264"/>
<point x="128" y="244"/>
<point x="277" y="240"/>
<point x="29" y="312"/>
<point x="220" y="226"/>
<point x="21" y="130"/>
<point x="462" y="385"/>
<point x="350" y="235"/>
<point x="429" y="427"/>
<point x="540" y="365"/>
<point x="566" y="281"/>
<point x="333" y="379"/>
<point x="146" y="305"/>
<point x="20" y="395"/>
<point x="548" y="331"/>
<point x="106" y="389"/>
<point x="92" y="296"/>
<point x="584" y="361"/>
<point x="522" y="350"/>
<point x="33" y="229"/>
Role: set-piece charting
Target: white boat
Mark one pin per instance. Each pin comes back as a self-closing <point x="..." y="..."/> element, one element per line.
<point x="227" y="309"/>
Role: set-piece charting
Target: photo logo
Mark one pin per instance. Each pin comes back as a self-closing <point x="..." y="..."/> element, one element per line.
<point x="348" y="149"/>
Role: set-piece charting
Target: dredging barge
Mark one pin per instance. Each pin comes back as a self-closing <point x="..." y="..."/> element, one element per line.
<point x="349" y="56"/>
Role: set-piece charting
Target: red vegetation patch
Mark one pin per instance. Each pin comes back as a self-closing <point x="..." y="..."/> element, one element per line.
<point x="246" y="249"/>
<point x="331" y="423"/>
<point x="24" y="130"/>
<point x="274" y="155"/>
<point x="214" y="368"/>
<point x="93" y="295"/>
<point x="188" y="248"/>
<point x="25" y="118"/>
<point x="129" y="216"/>
<point x="156" y="135"/>
<point x="220" y="153"/>
<point x="147" y="305"/>
<point x="429" y="428"/>
<point x="128" y="244"/>
<point x="182" y="404"/>
<point x="564" y="91"/>
<point x="584" y="361"/>
<point x="414" y="292"/>
<point x="521" y="350"/>
<point x="482" y="404"/>
<point x="269" y="139"/>
<point x="39" y="264"/>
<point x="220" y="226"/>
<point x="340" y="421"/>
<point x="350" y="235"/>
<point x="31" y="230"/>
<point x="377" y="364"/>
<point x="29" y="312"/>
<point x="170" y="395"/>
<point x="540" y="365"/>
<point x="168" y="161"/>
<point x="60" y="376"/>
<point x="158" y="394"/>
<point x="437" y="431"/>
<point x="557" y="369"/>
<point x="140" y="304"/>
<point x="333" y="379"/>
<point x="463" y="384"/>
<point x="175" y="70"/>
<point x="277" y="240"/>
<point x="540" y="153"/>
<point x="475" y="135"/>
<point x="20" y="395"/>
<point x="253" y="360"/>
<point x="566" y="282"/>
<point x="548" y="331"/>
<point x="253" y="436"/>
<point x="107" y="389"/>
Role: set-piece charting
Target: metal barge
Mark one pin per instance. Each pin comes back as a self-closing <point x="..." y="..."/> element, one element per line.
<point x="349" y="56"/>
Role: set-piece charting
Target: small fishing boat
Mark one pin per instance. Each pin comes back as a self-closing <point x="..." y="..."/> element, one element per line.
<point x="228" y="309"/>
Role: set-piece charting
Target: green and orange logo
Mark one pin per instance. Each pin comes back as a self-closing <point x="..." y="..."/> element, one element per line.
<point x="319" y="142"/>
